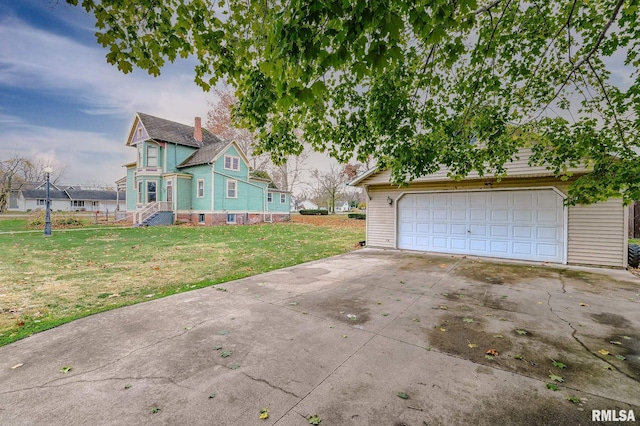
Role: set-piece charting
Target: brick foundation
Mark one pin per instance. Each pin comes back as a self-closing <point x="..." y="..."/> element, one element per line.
<point x="215" y="219"/>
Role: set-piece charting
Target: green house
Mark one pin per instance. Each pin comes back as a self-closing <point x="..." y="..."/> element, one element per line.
<point x="185" y="173"/>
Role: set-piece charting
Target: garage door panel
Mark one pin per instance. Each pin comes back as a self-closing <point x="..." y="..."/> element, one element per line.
<point x="526" y="224"/>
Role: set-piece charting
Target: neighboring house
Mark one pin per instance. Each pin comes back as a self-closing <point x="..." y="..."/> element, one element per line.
<point x="95" y="200"/>
<point x="343" y="206"/>
<point x="35" y="199"/>
<point x="190" y="175"/>
<point x="69" y="200"/>
<point x="522" y="216"/>
<point x="306" y="205"/>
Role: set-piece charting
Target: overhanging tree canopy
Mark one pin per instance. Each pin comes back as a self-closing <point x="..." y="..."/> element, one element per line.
<point x="415" y="84"/>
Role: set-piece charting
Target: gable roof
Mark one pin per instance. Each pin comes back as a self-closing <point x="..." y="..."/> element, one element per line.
<point x="91" y="195"/>
<point x="204" y="155"/>
<point x="163" y="130"/>
<point x="41" y="194"/>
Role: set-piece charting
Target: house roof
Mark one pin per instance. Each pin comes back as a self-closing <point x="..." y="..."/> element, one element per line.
<point x="170" y="131"/>
<point x="92" y="195"/>
<point x="204" y="155"/>
<point x="40" y="194"/>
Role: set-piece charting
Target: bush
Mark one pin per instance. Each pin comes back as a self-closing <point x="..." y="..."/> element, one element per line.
<point x="359" y="216"/>
<point x="362" y="206"/>
<point x="314" y="212"/>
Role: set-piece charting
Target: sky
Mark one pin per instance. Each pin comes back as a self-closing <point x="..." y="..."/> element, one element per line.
<point x="60" y="101"/>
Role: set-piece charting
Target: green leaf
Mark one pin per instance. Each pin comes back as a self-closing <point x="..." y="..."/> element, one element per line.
<point x="314" y="420"/>
<point x="223" y="332"/>
<point x="518" y="357"/>
<point x="235" y="366"/>
<point x="522" y="332"/>
<point x="402" y="395"/>
<point x="621" y="357"/>
<point x="66" y="369"/>
<point x="226" y="354"/>
<point x="556" y="378"/>
<point x="155" y="410"/>
<point x="552" y="386"/>
<point x="468" y="320"/>
<point x="573" y="399"/>
<point x="558" y="364"/>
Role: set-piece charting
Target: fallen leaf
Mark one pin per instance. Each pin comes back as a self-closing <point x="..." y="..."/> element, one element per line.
<point x="213" y="395"/>
<point x="521" y="332"/>
<point x="498" y="336"/>
<point x="573" y="399"/>
<point x="518" y="357"/>
<point x="621" y="357"/>
<point x="217" y="348"/>
<point x="492" y="352"/>
<point x="584" y="304"/>
<point x="558" y="364"/>
<point x="344" y="336"/>
<point x="17" y="366"/>
<point x="604" y="352"/>
<point x="384" y="314"/>
<point x="66" y="369"/>
<point x="235" y="366"/>
<point x="468" y="320"/>
<point x="489" y="357"/>
<point x="226" y="354"/>
<point x="613" y="342"/>
<point x="443" y="329"/>
<point x="552" y="386"/>
<point x="626" y="337"/>
<point x="608" y="367"/>
<point x="127" y="386"/>
<point x="314" y="420"/>
<point x="403" y="395"/>
<point x="443" y="265"/>
<point x="264" y="414"/>
<point x="155" y="410"/>
<point x="444" y="308"/>
<point x="556" y="378"/>
<point x="472" y="345"/>
<point x="223" y="332"/>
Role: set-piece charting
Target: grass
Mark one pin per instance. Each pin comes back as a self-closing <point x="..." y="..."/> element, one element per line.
<point x="45" y="282"/>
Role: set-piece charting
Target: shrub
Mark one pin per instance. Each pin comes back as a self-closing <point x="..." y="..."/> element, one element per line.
<point x="314" y="212"/>
<point x="359" y="216"/>
<point x="362" y="206"/>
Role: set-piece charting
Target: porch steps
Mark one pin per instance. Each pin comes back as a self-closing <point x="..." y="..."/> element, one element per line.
<point x="158" y="219"/>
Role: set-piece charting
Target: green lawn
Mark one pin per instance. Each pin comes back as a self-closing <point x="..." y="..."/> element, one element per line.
<point x="45" y="282"/>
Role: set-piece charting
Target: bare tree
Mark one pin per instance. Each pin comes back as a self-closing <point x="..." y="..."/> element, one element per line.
<point x="17" y="169"/>
<point x="288" y="176"/>
<point x="220" y="123"/>
<point x="330" y="185"/>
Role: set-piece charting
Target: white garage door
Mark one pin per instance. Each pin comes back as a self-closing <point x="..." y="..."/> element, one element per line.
<point x="527" y="225"/>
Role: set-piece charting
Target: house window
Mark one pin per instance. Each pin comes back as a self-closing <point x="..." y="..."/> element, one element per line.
<point x="232" y="191"/>
<point x="283" y="198"/>
<point x="139" y="156"/>
<point x="231" y="218"/>
<point x="200" y="188"/>
<point x="77" y="203"/>
<point x="231" y="162"/>
<point x="201" y="218"/>
<point x="269" y="197"/>
<point x="41" y="202"/>
<point x="152" y="156"/>
<point x="94" y="204"/>
<point x="151" y="191"/>
<point x="140" y="192"/>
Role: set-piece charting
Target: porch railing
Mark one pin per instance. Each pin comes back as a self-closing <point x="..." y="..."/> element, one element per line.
<point x="149" y="209"/>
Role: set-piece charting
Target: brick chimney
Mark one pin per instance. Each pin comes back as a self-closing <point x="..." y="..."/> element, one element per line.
<point x="197" y="130"/>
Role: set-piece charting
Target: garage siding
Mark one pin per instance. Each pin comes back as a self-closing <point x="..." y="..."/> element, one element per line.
<point x="597" y="234"/>
<point x="516" y="168"/>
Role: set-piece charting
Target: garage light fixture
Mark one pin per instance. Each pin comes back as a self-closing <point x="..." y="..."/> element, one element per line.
<point x="389" y="200"/>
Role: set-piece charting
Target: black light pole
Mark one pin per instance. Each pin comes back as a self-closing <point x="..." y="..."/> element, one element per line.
<point x="47" y="217"/>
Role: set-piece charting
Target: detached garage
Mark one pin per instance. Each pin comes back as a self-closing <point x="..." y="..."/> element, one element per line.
<point x="521" y="217"/>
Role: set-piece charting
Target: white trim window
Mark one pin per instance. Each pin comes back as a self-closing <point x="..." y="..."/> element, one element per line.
<point x="200" y="189"/>
<point x="231" y="218"/>
<point x="152" y="187"/>
<point x="283" y="198"/>
<point x="269" y="197"/>
<point x="41" y="202"/>
<point x="140" y="189"/>
<point x="77" y="203"/>
<point x="231" y="162"/>
<point x="232" y="188"/>
<point x="152" y="156"/>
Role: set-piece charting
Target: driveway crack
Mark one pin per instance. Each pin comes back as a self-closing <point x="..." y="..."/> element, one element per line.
<point x="270" y="385"/>
<point x="575" y="337"/>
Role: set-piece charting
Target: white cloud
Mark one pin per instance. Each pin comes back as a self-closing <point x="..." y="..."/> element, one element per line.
<point x="89" y="156"/>
<point x="35" y="59"/>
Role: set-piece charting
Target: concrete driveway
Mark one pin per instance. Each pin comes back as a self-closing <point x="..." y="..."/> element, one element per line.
<point x="341" y="338"/>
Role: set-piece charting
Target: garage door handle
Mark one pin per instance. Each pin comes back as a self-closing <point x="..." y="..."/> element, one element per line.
<point x="468" y="231"/>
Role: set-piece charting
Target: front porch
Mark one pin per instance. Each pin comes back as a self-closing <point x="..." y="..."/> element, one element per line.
<point x="154" y="213"/>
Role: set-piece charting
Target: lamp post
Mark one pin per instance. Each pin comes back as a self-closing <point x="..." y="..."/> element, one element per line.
<point x="47" y="217"/>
